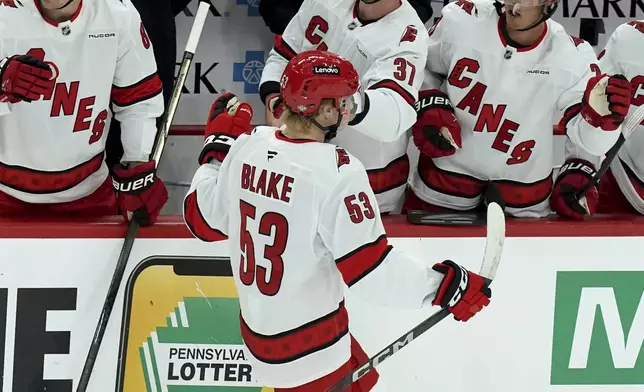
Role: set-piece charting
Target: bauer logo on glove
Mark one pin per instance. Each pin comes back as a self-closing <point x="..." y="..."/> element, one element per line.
<point x="140" y="194"/>
<point x="134" y="185"/>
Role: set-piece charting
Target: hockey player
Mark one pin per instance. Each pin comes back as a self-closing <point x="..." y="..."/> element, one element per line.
<point x="621" y="189"/>
<point x="387" y="43"/>
<point x="62" y="64"/>
<point x="505" y="69"/>
<point x="301" y="221"/>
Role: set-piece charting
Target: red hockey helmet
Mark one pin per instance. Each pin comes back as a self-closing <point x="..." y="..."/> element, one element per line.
<point x="314" y="75"/>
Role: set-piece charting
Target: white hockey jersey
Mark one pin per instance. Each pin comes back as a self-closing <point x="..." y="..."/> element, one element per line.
<point x="623" y="55"/>
<point x="389" y="54"/>
<point x="301" y="221"/>
<point x="51" y="150"/>
<point x="505" y="99"/>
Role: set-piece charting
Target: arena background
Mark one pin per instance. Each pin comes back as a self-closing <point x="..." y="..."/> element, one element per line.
<point x="235" y="44"/>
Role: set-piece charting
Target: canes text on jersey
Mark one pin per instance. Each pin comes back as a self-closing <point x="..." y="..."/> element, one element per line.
<point x="272" y="185"/>
<point x="489" y="117"/>
<point x="65" y="102"/>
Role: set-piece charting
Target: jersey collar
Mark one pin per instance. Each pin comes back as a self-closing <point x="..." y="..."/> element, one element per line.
<point x="51" y="22"/>
<point x="280" y="136"/>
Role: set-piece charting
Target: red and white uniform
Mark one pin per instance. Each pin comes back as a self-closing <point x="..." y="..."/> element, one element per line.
<point x="51" y="150"/>
<point x="302" y="222"/>
<point x="623" y="55"/>
<point x="389" y="54"/>
<point x="504" y="99"/>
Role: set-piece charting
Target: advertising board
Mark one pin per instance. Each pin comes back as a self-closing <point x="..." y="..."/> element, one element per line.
<point x="567" y="314"/>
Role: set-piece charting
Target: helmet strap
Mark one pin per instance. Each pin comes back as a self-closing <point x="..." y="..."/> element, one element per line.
<point x="330" y="131"/>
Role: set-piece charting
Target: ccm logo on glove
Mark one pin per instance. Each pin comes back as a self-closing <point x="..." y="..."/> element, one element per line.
<point x="460" y="290"/>
<point x="225" y="141"/>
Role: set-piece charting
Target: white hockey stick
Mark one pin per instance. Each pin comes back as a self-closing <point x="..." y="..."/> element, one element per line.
<point x="631" y="123"/>
<point x="491" y="259"/>
<point x="161" y="137"/>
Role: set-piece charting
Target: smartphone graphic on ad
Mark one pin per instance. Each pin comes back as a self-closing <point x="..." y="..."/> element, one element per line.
<point x="180" y="330"/>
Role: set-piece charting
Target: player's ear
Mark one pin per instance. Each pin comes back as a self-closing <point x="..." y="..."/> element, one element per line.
<point x="327" y="113"/>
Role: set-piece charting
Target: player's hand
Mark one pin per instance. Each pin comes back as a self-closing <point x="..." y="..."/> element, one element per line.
<point x="436" y="132"/>
<point x="274" y="110"/>
<point x="606" y="101"/>
<point x="463" y="292"/>
<point x="26" y="77"/>
<point x="228" y="119"/>
<point x="574" y="174"/>
<point x="140" y="194"/>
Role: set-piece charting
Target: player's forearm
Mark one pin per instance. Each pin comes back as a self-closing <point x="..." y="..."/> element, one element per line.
<point x="387" y="117"/>
<point x="200" y="200"/>
<point x="271" y="75"/>
<point x="432" y="80"/>
<point x="400" y="281"/>
<point x="139" y="128"/>
<point x="575" y="152"/>
<point x="137" y="136"/>
<point x="594" y="140"/>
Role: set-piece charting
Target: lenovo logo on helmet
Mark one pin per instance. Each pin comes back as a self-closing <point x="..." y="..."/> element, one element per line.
<point x="326" y="70"/>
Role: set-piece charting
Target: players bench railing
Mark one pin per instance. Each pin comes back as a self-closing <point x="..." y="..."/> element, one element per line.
<point x="395" y="225"/>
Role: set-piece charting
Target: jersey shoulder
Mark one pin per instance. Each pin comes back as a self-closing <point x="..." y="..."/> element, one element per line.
<point x="340" y="167"/>
<point x="329" y="162"/>
<point x="629" y="33"/>
<point x="464" y="17"/>
<point x="14" y="13"/>
<point x="403" y="29"/>
<point x="461" y="11"/>
<point x="262" y="131"/>
<point x="569" y="53"/>
<point x="121" y="12"/>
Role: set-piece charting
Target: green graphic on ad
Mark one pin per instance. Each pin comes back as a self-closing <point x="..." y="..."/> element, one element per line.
<point x="200" y="349"/>
<point x="598" y="331"/>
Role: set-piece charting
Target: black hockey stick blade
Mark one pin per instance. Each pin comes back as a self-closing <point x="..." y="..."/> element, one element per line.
<point x="418" y="217"/>
<point x="632" y="122"/>
<point x="494" y="242"/>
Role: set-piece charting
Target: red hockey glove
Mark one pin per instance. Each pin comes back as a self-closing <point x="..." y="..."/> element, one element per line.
<point x="574" y="174"/>
<point x="436" y="125"/>
<point x="140" y="194"/>
<point x="227" y="120"/>
<point x="606" y="101"/>
<point x="463" y="292"/>
<point x="25" y="77"/>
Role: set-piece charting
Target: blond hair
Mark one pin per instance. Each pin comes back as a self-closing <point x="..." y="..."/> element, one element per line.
<point x="298" y="123"/>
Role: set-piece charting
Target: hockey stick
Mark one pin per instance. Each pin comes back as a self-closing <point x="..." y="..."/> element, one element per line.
<point x="628" y="127"/>
<point x="491" y="195"/>
<point x="161" y="137"/>
<point x="492" y="257"/>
